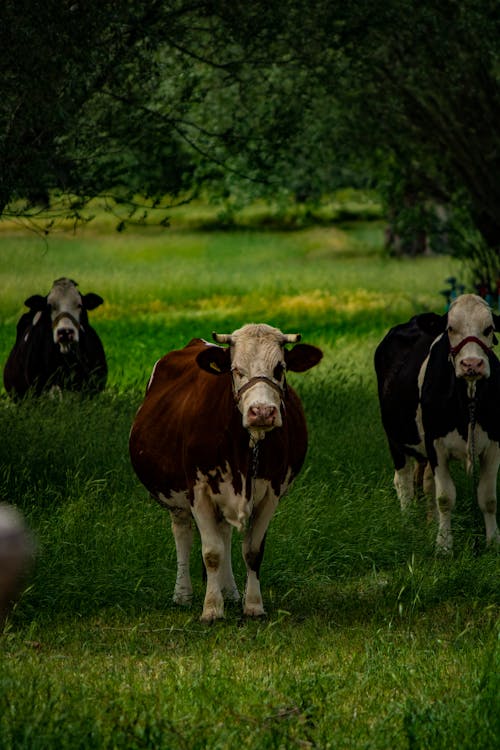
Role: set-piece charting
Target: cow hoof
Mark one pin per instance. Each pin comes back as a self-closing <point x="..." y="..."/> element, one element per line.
<point x="444" y="551"/>
<point x="493" y="543"/>
<point x="231" y="595"/>
<point x="183" y="598"/>
<point x="254" y="611"/>
<point x="211" y="616"/>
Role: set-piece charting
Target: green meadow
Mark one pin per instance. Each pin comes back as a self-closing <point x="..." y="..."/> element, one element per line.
<point x="370" y="641"/>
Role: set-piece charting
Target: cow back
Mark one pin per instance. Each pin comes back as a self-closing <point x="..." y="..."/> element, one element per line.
<point x="398" y="360"/>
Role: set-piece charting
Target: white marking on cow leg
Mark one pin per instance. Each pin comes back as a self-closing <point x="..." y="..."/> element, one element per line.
<point x="429" y="490"/>
<point x="259" y="522"/>
<point x="55" y="393"/>
<point x="213" y="549"/>
<point x="486" y="491"/>
<point x="404" y="484"/>
<point x="445" y="501"/>
<point x="226" y="577"/>
<point x="182" y="529"/>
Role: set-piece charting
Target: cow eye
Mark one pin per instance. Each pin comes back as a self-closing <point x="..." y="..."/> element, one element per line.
<point x="488" y="330"/>
<point x="450" y="329"/>
<point x="278" y="371"/>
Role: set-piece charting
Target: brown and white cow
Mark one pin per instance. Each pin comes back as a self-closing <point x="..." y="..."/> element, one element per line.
<point x="56" y="347"/>
<point x="219" y="438"/>
<point x="439" y="391"/>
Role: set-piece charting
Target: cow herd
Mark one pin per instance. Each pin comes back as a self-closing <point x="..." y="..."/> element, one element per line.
<point x="221" y="435"/>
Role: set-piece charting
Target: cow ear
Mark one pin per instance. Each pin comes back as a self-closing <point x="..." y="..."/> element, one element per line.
<point x="91" y="301"/>
<point x="36" y="302"/>
<point x="302" y="357"/>
<point x="214" y="359"/>
<point x="431" y="323"/>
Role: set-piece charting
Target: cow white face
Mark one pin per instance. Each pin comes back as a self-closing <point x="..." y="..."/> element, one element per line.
<point x="258" y="367"/>
<point x="258" y="360"/>
<point x="65" y="304"/>
<point x="470" y="329"/>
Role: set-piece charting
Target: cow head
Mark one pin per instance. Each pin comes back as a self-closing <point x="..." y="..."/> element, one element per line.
<point x="67" y="308"/>
<point x="470" y="326"/>
<point x="258" y="361"/>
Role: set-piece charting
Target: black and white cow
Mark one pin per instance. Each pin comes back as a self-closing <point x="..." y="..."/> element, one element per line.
<point x="55" y="345"/>
<point x="439" y="392"/>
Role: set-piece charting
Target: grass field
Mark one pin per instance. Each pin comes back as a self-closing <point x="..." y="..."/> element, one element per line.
<point x="370" y="641"/>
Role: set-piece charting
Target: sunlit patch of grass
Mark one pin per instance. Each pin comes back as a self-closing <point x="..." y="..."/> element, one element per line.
<point x="359" y="240"/>
<point x="356" y="302"/>
<point x="315" y="302"/>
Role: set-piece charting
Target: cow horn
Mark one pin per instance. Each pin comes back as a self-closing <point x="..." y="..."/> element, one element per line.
<point x="221" y="338"/>
<point x="291" y="338"/>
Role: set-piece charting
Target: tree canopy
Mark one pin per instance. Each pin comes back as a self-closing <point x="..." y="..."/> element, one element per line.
<point x="167" y="97"/>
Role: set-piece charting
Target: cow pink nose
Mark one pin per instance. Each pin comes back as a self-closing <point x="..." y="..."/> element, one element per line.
<point x="65" y="334"/>
<point x="472" y="365"/>
<point x="260" y="415"/>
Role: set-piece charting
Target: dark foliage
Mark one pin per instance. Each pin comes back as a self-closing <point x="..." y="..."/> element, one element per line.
<point x="244" y="99"/>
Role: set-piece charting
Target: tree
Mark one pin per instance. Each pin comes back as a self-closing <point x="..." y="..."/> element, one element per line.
<point x="63" y="64"/>
<point x="296" y="98"/>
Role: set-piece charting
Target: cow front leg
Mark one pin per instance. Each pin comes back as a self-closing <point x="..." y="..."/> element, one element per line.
<point x="404" y="483"/>
<point x="487" y="492"/>
<point x="228" y="584"/>
<point x="212" y="549"/>
<point x="445" y="502"/>
<point x="253" y="552"/>
<point x="182" y="529"/>
<point x="429" y="490"/>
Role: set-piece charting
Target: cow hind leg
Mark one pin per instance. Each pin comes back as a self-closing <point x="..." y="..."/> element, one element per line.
<point x="486" y="492"/>
<point x="429" y="490"/>
<point x="404" y="483"/>
<point x="253" y="551"/>
<point x="182" y="529"/>
<point x="213" y="551"/>
<point x="445" y="502"/>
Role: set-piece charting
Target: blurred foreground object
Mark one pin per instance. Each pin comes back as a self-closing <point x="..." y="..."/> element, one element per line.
<point x="16" y="556"/>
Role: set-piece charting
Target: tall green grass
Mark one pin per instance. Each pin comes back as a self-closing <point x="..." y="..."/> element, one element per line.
<point x="370" y="641"/>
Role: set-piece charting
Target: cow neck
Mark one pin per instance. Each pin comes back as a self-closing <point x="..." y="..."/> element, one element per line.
<point x="256" y="436"/>
<point x="254" y="463"/>
<point x="472" y="441"/>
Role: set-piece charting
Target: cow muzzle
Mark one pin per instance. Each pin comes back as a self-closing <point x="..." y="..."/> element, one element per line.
<point x="263" y="416"/>
<point x="472" y="365"/>
<point x="259" y="401"/>
<point x="472" y="368"/>
<point x="66" y="331"/>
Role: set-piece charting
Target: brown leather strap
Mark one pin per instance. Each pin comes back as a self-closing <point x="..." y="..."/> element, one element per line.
<point x="68" y="315"/>
<point x="257" y="379"/>
<point x="455" y="349"/>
